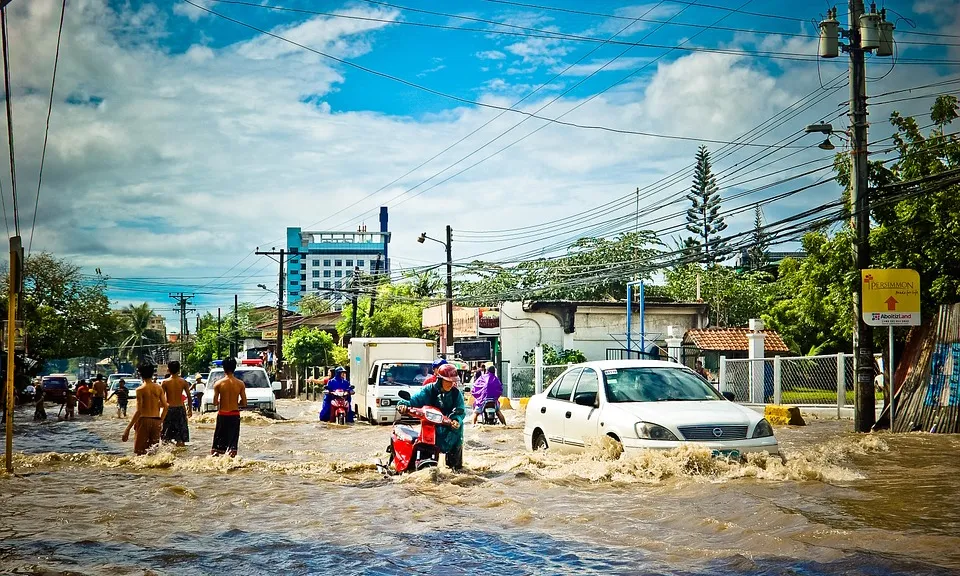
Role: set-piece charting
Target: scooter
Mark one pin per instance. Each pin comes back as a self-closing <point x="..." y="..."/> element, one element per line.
<point x="339" y="405"/>
<point x="489" y="413"/>
<point x="411" y="449"/>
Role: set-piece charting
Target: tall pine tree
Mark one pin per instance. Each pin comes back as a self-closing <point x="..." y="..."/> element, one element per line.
<point x="757" y="253"/>
<point x="703" y="217"/>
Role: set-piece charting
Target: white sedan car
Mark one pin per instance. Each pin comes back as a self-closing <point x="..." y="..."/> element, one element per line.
<point x="258" y="387"/>
<point x="641" y="404"/>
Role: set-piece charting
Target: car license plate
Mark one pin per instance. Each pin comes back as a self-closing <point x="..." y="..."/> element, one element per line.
<point x="728" y="454"/>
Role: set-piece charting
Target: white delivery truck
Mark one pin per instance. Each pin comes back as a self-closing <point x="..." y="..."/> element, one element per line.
<point x="381" y="367"/>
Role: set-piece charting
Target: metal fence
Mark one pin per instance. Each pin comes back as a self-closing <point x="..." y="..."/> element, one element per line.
<point x="521" y="382"/>
<point x="804" y="380"/>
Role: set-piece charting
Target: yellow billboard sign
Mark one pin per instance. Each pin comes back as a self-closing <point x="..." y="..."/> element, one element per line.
<point x="891" y="297"/>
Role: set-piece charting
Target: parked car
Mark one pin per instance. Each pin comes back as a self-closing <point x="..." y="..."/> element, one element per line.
<point x="641" y="404"/>
<point x="260" y="394"/>
<point x="131" y="383"/>
<point x="55" y="387"/>
<point x="114" y="378"/>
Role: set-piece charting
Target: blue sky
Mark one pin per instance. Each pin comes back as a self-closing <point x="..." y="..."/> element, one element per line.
<point x="180" y="141"/>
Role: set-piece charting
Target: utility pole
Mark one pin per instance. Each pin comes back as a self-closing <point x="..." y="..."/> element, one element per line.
<point x="182" y="301"/>
<point x="869" y="32"/>
<point x="14" y="288"/>
<point x="218" y="333"/>
<point x="234" y="344"/>
<point x="280" y="284"/>
<point x="449" y="246"/>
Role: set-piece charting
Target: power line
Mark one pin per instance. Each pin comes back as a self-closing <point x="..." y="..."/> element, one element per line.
<point x="46" y="131"/>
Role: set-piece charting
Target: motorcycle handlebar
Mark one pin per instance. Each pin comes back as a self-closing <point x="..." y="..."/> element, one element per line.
<point x="422" y="415"/>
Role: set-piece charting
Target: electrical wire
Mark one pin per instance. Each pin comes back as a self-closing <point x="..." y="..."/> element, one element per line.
<point x="46" y="131"/>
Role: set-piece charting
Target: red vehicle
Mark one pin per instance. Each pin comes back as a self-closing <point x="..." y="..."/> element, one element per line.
<point x="411" y="449"/>
<point x="339" y="405"/>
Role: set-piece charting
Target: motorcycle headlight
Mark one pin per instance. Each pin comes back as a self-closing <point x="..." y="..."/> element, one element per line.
<point x="434" y="417"/>
<point x="650" y="431"/>
<point x="763" y="429"/>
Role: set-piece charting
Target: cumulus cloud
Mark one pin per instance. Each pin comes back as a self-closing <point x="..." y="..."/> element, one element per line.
<point x="491" y="55"/>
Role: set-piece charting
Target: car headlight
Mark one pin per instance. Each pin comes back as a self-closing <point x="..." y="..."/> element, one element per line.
<point x="763" y="429"/>
<point x="384" y="401"/>
<point x="650" y="431"/>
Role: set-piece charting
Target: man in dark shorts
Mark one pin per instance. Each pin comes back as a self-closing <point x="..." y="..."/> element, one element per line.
<point x="151" y="406"/>
<point x="229" y="395"/>
<point x="175" y="423"/>
<point x="123" y="396"/>
<point x="99" y="395"/>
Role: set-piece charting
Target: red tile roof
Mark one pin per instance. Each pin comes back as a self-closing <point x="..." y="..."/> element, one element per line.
<point x="733" y="339"/>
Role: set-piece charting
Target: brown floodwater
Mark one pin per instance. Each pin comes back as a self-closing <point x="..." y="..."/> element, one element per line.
<point x="306" y="498"/>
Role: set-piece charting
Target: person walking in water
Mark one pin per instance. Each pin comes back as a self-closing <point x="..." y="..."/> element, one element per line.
<point x="175" y="423"/>
<point x="123" y="396"/>
<point x="70" y="403"/>
<point x="99" y="395"/>
<point x="151" y="407"/>
<point x="229" y="395"/>
<point x="39" y="414"/>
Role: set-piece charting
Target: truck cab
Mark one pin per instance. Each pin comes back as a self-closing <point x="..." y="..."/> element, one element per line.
<point x="381" y="367"/>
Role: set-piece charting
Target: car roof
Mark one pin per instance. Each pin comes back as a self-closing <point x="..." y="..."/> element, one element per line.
<point x="619" y="364"/>
<point x="240" y="369"/>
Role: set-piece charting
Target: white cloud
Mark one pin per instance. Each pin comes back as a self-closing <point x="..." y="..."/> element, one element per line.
<point x="192" y="12"/>
<point x="590" y="67"/>
<point x="491" y="55"/>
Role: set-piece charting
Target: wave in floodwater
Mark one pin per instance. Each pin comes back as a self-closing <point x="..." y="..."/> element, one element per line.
<point x="599" y="463"/>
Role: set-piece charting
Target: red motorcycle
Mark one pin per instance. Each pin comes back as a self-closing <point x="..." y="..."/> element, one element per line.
<point x="339" y="405"/>
<point x="411" y="449"/>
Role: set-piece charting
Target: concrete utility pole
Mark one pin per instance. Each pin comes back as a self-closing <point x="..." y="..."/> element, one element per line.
<point x="280" y="284"/>
<point x="864" y="399"/>
<point x="218" y="333"/>
<point x="234" y="344"/>
<point x="182" y="301"/>
<point x="449" y="246"/>
<point x="868" y="32"/>
<point x="14" y="288"/>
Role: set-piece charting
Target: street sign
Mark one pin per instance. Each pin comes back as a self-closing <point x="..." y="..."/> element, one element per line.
<point x="891" y="297"/>
<point x="19" y="336"/>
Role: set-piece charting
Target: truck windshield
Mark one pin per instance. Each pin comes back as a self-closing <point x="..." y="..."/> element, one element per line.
<point x="404" y="373"/>
<point x="251" y="378"/>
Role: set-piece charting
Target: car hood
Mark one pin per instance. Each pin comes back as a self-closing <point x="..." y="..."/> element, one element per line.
<point x="689" y="413"/>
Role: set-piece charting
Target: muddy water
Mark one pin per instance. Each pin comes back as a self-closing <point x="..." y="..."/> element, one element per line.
<point x="305" y="498"/>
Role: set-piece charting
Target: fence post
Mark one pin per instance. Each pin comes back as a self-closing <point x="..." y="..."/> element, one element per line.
<point x="509" y="374"/>
<point x="538" y="369"/>
<point x="723" y="374"/>
<point x="841" y="382"/>
<point x="777" y="386"/>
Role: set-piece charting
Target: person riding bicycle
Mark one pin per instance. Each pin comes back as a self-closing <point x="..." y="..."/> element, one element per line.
<point x="338" y="382"/>
<point x="487" y="387"/>
<point x="444" y="395"/>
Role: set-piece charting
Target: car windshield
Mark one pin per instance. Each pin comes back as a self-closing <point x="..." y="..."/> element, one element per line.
<point x="251" y="378"/>
<point x="404" y="373"/>
<point x="655" y="385"/>
<point x="55" y="382"/>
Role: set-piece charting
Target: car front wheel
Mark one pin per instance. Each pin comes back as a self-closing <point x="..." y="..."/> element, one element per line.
<point x="539" y="441"/>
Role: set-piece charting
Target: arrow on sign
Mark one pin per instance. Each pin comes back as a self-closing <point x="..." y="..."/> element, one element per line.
<point x="891" y="303"/>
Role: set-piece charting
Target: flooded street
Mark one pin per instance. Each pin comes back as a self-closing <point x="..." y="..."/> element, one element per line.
<point x="305" y="498"/>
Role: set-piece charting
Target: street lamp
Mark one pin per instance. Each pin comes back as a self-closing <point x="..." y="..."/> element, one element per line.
<point x="448" y="246"/>
<point x="829" y="131"/>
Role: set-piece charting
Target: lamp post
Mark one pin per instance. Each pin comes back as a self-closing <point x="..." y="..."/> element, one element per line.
<point x="643" y="338"/>
<point x="448" y="246"/>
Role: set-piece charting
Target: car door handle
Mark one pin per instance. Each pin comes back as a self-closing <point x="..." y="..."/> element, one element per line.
<point x="568" y="414"/>
<point x="543" y="409"/>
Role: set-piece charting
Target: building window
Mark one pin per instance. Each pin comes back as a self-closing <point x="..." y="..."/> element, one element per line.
<point x="316" y="273"/>
<point x="349" y="262"/>
<point x="316" y="285"/>
<point x="338" y="284"/>
<point x="326" y="284"/>
<point x="326" y="273"/>
<point x="338" y="273"/>
<point x="349" y="273"/>
<point x="338" y="262"/>
<point x="316" y="262"/>
<point x="326" y="262"/>
<point x="360" y="263"/>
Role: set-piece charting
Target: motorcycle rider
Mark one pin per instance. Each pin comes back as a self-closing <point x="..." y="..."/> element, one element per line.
<point x="444" y="395"/>
<point x="487" y="387"/>
<point x="338" y="382"/>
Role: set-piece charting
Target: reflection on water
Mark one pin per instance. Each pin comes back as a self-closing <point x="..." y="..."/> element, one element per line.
<point x="305" y="498"/>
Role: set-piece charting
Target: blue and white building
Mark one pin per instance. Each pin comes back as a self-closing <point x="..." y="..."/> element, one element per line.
<point x="323" y="262"/>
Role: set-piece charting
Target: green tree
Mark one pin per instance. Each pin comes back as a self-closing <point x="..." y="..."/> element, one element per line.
<point x="703" y="216"/>
<point x="758" y="251"/>
<point x="203" y="350"/>
<point x="313" y="305"/>
<point x="136" y="330"/>
<point x="308" y="347"/>
<point x="340" y="356"/>
<point x="426" y="284"/>
<point x="734" y="297"/>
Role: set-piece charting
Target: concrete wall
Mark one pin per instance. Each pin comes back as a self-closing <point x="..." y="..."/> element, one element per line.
<point x="596" y="328"/>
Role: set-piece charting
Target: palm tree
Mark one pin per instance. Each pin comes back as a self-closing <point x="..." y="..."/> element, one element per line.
<point x="137" y="319"/>
<point x="426" y="284"/>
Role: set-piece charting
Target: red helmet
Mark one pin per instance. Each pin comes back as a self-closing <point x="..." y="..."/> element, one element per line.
<point x="448" y="372"/>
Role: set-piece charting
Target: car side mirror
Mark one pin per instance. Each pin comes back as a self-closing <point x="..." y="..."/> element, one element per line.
<point x="276" y="385"/>
<point x="404" y="394"/>
<point x="372" y="381"/>
<point x="729" y="396"/>
<point x="585" y="400"/>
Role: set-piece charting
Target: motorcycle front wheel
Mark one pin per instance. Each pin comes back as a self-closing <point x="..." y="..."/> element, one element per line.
<point x="423" y="465"/>
<point x="341" y="419"/>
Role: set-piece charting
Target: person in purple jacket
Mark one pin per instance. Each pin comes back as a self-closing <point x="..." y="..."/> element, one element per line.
<point x="487" y="387"/>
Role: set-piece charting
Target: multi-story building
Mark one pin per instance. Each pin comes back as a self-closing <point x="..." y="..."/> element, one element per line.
<point x="324" y="262"/>
<point x="158" y="324"/>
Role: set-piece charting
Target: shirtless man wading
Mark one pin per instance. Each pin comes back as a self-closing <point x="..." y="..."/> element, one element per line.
<point x="175" y="422"/>
<point x="151" y="406"/>
<point x="229" y="395"/>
